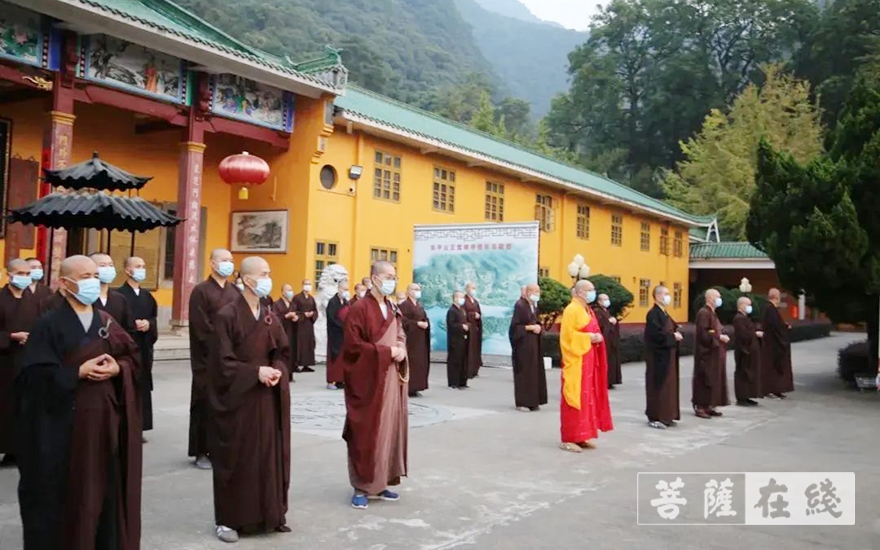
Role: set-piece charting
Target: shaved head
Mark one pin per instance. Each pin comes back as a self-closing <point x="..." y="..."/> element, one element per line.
<point x="253" y="266"/>
<point x="134" y="262"/>
<point x="742" y="303"/>
<point x="365" y="281"/>
<point x="400" y="296"/>
<point x="75" y="266"/>
<point x="101" y="259"/>
<point x="774" y="294"/>
<point x="381" y="268"/>
<point x="18" y="264"/>
<point x="35" y="263"/>
<point x="659" y="292"/>
<point x="456" y="296"/>
<point x="343" y="285"/>
<point x="221" y="255"/>
<point x="471" y="285"/>
<point x="360" y="287"/>
<point x="711" y="296"/>
<point x="414" y="287"/>
<point x="286" y="288"/>
<point x="532" y="289"/>
<point x="583" y="286"/>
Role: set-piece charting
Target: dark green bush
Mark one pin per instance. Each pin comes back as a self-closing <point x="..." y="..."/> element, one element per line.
<point x="554" y="297"/>
<point x="621" y="298"/>
<point x="729" y="296"/>
<point x="853" y="361"/>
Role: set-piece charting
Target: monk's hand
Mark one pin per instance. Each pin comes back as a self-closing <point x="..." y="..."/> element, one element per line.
<point x="759" y="334"/>
<point x="109" y="366"/>
<point x="596" y="338"/>
<point x="290" y="315"/>
<point x="142" y="325"/>
<point x="401" y="354"/>
<point x="90" y="367"/>
<point x="613" y="320"/>
<point x="276" y="377"/>
<point x="476" y="315"/>
<point x="465" y="328"/>
<point x="20" y="337"/>
<point x="423" y="324"/>
<point x="724" y="338"/>
<point x="266" y="374"/>
<point x="678" y="336"/>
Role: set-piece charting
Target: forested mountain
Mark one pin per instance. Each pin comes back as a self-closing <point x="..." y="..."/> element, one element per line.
<point x="512" y="8"/>
<point x="530" y="57"/>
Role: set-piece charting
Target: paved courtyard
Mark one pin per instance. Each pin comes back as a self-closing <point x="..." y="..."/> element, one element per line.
<point x="485" y="476"/>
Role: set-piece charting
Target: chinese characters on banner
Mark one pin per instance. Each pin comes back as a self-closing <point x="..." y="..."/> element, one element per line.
<point x="753" y="498"/>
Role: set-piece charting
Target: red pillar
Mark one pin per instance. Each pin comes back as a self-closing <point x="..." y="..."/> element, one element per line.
<point x="186" y="238"/>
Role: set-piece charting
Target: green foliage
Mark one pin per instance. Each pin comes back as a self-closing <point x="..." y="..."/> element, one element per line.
<point x="728" y="308"/>
<point x="718" y="173"/>
<point x="621" y="298"/>
<point x="554" y="297"/>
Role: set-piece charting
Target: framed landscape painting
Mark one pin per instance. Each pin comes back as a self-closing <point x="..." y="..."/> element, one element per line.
<point x="259" y="232"/>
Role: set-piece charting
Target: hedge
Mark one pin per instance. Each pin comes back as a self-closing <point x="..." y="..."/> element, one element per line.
<point x="632" y="346"/>
<point x="852" y="361"/>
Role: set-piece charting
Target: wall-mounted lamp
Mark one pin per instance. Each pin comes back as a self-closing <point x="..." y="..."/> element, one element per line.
<point x="355" y="172"/>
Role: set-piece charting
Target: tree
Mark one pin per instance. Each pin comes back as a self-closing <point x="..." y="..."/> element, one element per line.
<point x="818" y="221"/>
<point x="621" y="298"/>
<point x="554" y="297"/>
<point x="516" y="116"/>
<point x="718" y="173"/>
<point x="484" y="117"/>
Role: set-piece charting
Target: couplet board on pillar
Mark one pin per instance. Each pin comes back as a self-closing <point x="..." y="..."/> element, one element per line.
<point x="499" y="257"/>
<point x="58" y="145"/>
<point x="186" y="238"/>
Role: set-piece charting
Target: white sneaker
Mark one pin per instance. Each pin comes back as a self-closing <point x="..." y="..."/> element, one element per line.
<point x="331" y="386"/>
<point x="226" y="534"/>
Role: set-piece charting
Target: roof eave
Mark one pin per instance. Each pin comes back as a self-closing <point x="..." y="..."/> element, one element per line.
<point x="90" y="17"/>
<point x="372" y="126"/>
<point x="731" y="263"/>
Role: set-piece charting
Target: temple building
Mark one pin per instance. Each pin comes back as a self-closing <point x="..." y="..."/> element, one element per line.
<point x="159" y="92"/>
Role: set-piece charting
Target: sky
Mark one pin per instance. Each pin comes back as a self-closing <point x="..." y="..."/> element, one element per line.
<point x="573" y="14"/>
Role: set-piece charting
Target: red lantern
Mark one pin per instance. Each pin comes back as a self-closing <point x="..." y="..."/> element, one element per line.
<point x="244" y="170"/>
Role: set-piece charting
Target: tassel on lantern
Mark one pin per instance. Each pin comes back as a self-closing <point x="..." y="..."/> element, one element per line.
<point x="243" y="194"/>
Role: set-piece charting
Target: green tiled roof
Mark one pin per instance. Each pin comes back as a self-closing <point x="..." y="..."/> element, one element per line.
<point x="725" y="251"/>
<point x="168" y="17"/>
<point x="404" y="117"/>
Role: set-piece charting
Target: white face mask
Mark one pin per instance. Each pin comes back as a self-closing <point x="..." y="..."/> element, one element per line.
<point x="361" y="294"/>
<point x="307" y="288"/>
<point x="417" y="294"/>
<point x="535" y="298"/>
<point x="667" y="299"/>
<point x="346" y="295"/>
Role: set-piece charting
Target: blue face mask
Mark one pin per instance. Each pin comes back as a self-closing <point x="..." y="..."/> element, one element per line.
<point x="225" y="269"/>
<point x="591" y="296"/>
<point x="37" y="274"/>
<point x="88" y="290"/>
<point x="388" y="286"/>
<point x="139" y="275"/>
<point x="289" y="295"/>
<point x="106" y="274"/>
<point x="748" y="310"/>
<point x="263" y="288"/>
<point x="460" y="302"/>
<point x="20" y="282"/>
<point x="417" y="294"/>
<point x="535" y="298"/>
<point x="718" y="303"/>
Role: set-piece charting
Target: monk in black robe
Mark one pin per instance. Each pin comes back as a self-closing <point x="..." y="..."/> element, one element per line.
<point x="37" y="287"/>
<point x="335" y="333"/>
<point x="747" y="354"/>
<point x="285" y="311"/>
<point x="207" y="298"/>
<point x="78" y="424"/>
<point x="417" y="327"/>
<point x="611" y="333"/>
<point x="376" y="388"/>
<point x="475" y="332"/>
<point x="250" y="399"/>
<point x="19" y="310"/>
<point x="111" y="300"/>
<point x="307" y="313"/>
<point x="529" y="377"/>
<point x="457" y="349"/>
<point x="776" y="374"/>
<point x="710" y="360"/>
<point x="662" y="339"/>
<point x="145" y="313"/>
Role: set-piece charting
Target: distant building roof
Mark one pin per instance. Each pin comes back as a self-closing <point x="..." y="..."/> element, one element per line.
<point x="386" y="117"/>
<point x="166" y="27"/>
<point x="728" y="255"/>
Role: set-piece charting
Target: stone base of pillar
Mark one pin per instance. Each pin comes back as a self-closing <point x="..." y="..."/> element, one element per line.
<point x="180" y="328"/>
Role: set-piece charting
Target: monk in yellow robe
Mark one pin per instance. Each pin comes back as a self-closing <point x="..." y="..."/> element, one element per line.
<point x="584" y="408"/>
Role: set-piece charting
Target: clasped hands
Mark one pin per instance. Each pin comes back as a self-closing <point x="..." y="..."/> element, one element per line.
<point x="678" y="336"/>
<point x="269" y="376"/>
<point x="536" y="329"/>
<point x="99" y="368"/>
<point x="20" y="337"/>
<point x="398" y="353"/>
<point x="292" y="315"/>
<point x="422" y="324"/>
<point x="141" y="325"/>
<point x="596" y="338"/>
<point x="759" y="334"/>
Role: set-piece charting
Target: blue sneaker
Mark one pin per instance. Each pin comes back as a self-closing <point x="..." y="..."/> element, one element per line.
<point x="359" y="501"/>
<point x="386" y="495"/>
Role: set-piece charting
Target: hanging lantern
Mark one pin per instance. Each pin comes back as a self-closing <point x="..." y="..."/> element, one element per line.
<point x="244" y="170"/>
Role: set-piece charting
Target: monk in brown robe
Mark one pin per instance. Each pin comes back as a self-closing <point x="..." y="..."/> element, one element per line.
<point x="662" y="338"/>
<point x="457" y="349"/>
<point x="710" y="360"/>
<point x="529" y="378"/>
<point x="747" y="354"/>
<point x="19" y="310"/>
<point x="376" y="380"/>
<point x="475" y="333"/>
<point x="287" y="314"/>
<point x="335" y="325"/>
<point x="37" y="287"/>
<point x="78" y="424"/>
<point x="776" y="374"/>
<point x="360" y="290"/>
<point x="111" y="300"/>
<point x="611" y="332"/>
<point x="207" y="298"/>
<point x="250" y="398"/>
<point x="418" y="339"/>
<point x="307" y="313"/>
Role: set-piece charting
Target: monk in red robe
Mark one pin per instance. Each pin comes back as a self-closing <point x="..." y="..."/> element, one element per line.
<point x="376" y="392"/>
<point x="710" y="360"/>
<point x="78" y="424"/>
<point x="584" y="406"/>
<point x="418" y="339"/>
<point x="777" y="378"/>
<point x="249" y="393"/>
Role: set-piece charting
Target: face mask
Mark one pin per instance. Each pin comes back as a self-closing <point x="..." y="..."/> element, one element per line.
<point x="289" y="295"/>
<point x="106" y="274"/>
<point x="667" y="300"/>
<point x="37" y="274"/>
<point x="534" y="298"/>
<point x="240" y="286"/>
<point x="307" y="288"/>
<point x="718" y="303"/>
<point x="88" y="291"/>
<point x="361" y="294"/>
<point x="139" y="274"/>
<point x="346" y="295"/>
<point x="263" y="288"/>
<point x="369" y="286"/>
<point x="606" y="303"/>
<point x="748" y="310"/>
<point x="388" y="286"/>
<point x="591" y="296"/>
<point x="20" y="282"/>
<point x="225" y="269"/>
<point x="417" y="294"/>
<point x="472" y="292"/>
<point x="460" y="302"/>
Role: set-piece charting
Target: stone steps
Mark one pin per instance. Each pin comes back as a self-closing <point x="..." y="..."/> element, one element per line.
<point x="171" y="348"/>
